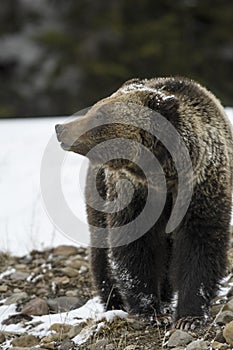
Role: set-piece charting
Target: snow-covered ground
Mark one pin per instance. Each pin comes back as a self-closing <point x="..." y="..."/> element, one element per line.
<point x="24" y="223"/>
<point x="93" y="309"/>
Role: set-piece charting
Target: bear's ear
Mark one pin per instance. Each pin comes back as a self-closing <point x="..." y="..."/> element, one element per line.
<point x="132" y="81"/>
<point x="166" y="105"/>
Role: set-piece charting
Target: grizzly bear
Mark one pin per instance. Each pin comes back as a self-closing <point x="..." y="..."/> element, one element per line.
<point x="136" y="270"/>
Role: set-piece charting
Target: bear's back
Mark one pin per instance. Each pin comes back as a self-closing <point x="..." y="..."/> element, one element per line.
<point x="201" y="102"/>
<point x="195" y="103"/>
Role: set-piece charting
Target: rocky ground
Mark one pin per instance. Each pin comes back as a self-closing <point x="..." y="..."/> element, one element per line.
<point x="50" y="284"/>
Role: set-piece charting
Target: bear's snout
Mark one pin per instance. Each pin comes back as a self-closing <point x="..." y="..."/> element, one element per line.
<point x="59" y="128"/>
<point x="69" y="136"/>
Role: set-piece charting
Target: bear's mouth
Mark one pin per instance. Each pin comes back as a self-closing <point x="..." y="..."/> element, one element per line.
<point x="65" y="146"/>
<point x="77" y="147"/>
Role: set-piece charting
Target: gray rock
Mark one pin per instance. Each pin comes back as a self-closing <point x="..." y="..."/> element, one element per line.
<point x="76" y="264"/>
<point x="25" y="341"/>
<point x="65" y="250"/>
<point x="219" y="346"/>
<point x="72" y="293"/>
<point x="61" y="280"/>
<point x="219" y="336"/>
<point x="21" y="267"/>
<point x="67" y="345"/>
<point x="15" y="298"/>
<point x="50" y="338"/>
<point x="179" y="338"/>
<point x="3" y="289"/>
<point x="215" y="309"/>
<point x="225" y="317"/>
<point x="69" y="271"/>
<point x="229" y="306"/>
<point x="64" y="304"/>
<point x="2" y="337"/>
<point x="36" y="307"/>
<point x="228" y="333"/>
<point x="19" y="276"/>
<point x="197" y="345"/>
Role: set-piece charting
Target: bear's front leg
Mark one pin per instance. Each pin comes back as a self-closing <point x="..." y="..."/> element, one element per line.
<point x="103" y="280"/>
<point x="138" y="268"/>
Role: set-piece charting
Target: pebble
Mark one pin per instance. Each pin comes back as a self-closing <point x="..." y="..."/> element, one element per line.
<point x="64" y="304"/>
<point x="36" y="307"/>
<point x="3" y="289"/>
<point x="20" y="266"/>
<point x="229" y="306"/>
<point x="83" y="269"/>
<point x="17" y="290"/>
<point x="179" y="338"/>
<point x="15" y="298"/>
<point x="224" y="317"/>
<point x="215" y="309"/>
<point x="72" y="293"/>
<point x="75" y="264"/>
<point x="228" y="333"/>
<point x="2" y="337"/>
<point x="219" y="336"/>
<point x="219" y="346"/>
<point x="197" y="345"/>
<point x="65" y="250"/>
<point x="67" y="345"/>
<point x="19" y="276"/>
<point x="69" y="271"/>
<point x="41" y="291"/>
<point x="50" y="338"/>
<point x="25" y="341"/>
<point x="61" y="280"/>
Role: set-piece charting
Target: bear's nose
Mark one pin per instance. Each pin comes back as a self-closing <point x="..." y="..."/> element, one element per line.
<point x="59" y="128"/>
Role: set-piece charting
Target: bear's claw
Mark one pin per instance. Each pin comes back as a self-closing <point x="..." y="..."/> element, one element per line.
<point x="189" y="323"/>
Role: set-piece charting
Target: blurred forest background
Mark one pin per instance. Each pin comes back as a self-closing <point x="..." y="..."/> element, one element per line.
<point x="59" y="56"/>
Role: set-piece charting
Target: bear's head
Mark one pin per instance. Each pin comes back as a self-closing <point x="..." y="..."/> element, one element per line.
<point x="131" y="113"/>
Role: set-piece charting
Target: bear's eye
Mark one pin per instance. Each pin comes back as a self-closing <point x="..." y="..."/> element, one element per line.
<point x="99" y="116"/>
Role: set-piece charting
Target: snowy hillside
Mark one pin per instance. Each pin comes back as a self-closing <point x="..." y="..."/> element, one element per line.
<point x="24" y="224"/>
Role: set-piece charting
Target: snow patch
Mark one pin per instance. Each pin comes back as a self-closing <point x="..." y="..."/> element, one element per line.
<point x="8" y="272"/>
<point x="93" y="309"/>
